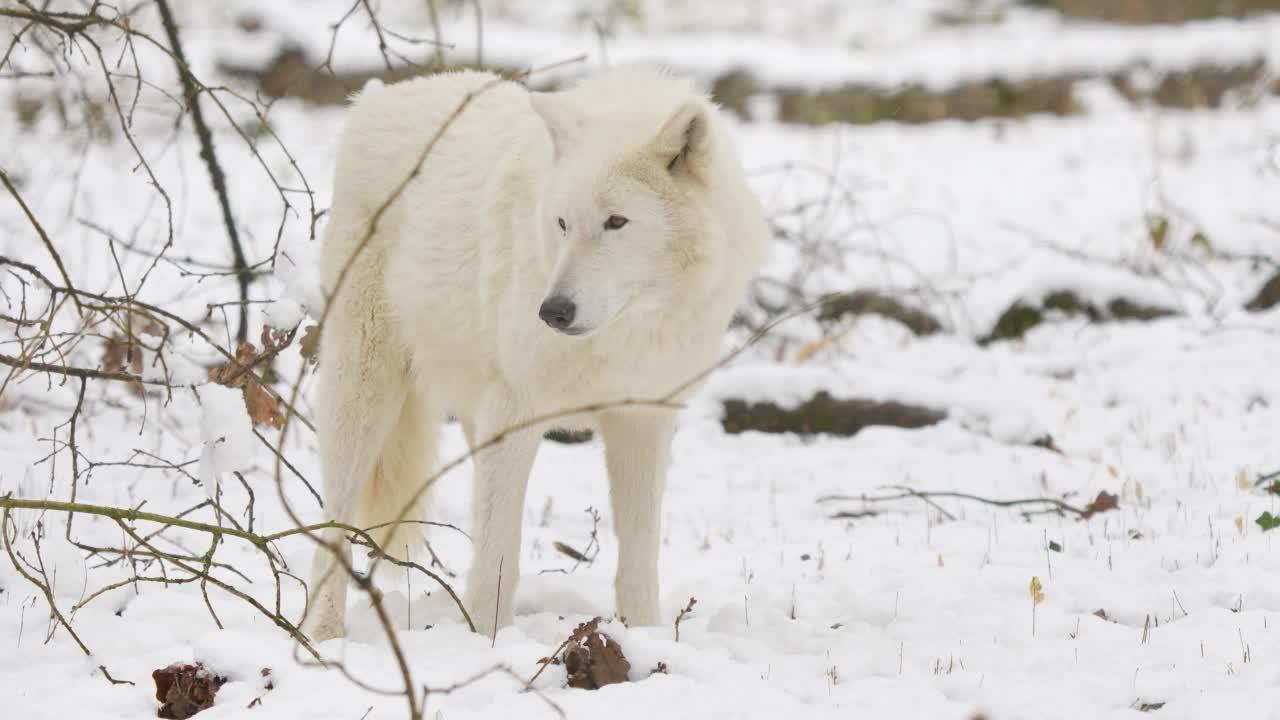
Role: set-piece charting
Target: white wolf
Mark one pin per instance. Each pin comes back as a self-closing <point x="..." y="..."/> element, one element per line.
<point x="556" y="250"/>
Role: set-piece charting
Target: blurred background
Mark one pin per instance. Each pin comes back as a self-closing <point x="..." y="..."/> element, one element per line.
<point x="946" y="138"/>
<point x="1099" y="151"/>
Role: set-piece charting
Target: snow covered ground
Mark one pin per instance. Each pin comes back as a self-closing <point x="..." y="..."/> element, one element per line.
<point x="898" y="610"/>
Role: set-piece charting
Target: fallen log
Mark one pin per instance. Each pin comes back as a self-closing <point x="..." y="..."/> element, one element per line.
<point x="824" y="414"/>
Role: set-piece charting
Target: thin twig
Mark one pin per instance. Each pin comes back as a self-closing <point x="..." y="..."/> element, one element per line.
<point x="216" y="175"/>
<point x="44" y="236"/>
<point x="1047" y="503"/>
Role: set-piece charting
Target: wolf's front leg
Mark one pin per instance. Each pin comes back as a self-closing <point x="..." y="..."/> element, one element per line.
<point x="501" y="477"/>
<point x="637" y="451"/>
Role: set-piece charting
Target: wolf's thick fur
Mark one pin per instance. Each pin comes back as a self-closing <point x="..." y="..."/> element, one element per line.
<point x="556" y="250"/>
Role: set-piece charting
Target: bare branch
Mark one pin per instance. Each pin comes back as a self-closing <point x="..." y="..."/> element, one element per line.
<point x="44" y="236"/>
<point x="216" y="175"/>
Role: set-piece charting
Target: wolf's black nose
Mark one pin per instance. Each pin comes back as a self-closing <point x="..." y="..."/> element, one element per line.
<point x="557" y="311"/>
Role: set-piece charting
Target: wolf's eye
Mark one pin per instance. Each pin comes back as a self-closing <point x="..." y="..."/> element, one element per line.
<point x="562" y="225"/>
<point x="614" y="222"/>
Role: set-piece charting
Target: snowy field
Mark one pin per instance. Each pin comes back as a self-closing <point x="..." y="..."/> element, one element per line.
<point x="808" y="606"/>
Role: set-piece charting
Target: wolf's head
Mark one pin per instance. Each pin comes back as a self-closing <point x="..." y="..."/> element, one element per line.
<point x="627" y="217"/>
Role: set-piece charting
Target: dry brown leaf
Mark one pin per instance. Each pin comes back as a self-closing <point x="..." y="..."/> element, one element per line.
<point x="184" y="690"/>
<point x="1105" y="501"/>
<point x="237" y="374"/>
<point x="120" y="354"/>
<point x="114" y="353"/>
<point x="274" y="339"/>
<point x="564" y="549"/>
<point x="309" y="346"/>
<point x="596" y="662"/>
<point x="262" y="406"/>
<point x="246" y="354"/>
<point x="591" y="658"/>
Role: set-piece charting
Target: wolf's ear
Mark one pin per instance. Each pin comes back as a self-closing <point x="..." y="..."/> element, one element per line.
<point x="561" y="119"/>
<point x="682" y="143"/>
